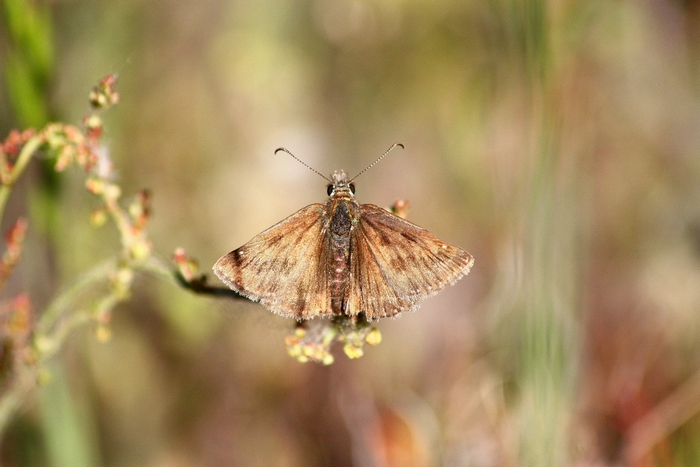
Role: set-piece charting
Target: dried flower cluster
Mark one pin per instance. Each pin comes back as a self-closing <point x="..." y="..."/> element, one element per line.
<point x="312" y="340"/>
<point x="25" y="340"/>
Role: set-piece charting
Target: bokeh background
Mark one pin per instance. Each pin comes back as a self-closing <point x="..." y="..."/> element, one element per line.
<point x="557" y="141"/>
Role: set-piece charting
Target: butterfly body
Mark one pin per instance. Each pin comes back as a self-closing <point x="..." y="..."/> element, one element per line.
<point x="340" y="227"/>
<point x="342" y="258"/>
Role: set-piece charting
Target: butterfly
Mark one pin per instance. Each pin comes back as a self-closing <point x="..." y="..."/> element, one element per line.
<point x="342" y="258"/>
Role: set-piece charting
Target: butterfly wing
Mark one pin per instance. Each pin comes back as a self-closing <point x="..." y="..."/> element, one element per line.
<point x="397" y="264"/>
<point x="284" y="268"/>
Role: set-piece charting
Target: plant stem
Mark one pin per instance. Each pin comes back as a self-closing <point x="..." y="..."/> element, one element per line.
<point x="12" y="398"/>
<point x="63" y="302"/>
<point x="23" y="159"/>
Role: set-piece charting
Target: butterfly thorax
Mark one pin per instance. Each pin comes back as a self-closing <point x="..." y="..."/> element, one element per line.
<point x="344" y="214"/>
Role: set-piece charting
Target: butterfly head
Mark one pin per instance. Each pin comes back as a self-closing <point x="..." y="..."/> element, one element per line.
<point x="340" y="186"/>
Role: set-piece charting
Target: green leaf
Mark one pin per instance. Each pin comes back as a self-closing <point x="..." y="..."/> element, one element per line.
<point x="25" y="95"/>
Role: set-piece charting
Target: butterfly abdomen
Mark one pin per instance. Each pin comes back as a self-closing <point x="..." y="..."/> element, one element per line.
<point x="339" y="274"/>
<point x="344" y="215"/>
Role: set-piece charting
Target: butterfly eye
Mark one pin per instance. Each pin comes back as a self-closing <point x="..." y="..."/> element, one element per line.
<point x="352" y="188"/>
<point x="329" y="190"/>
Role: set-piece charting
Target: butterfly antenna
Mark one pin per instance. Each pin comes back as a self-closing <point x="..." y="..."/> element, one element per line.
<point x="302" y="163"/>
<point x="375" y="162"/>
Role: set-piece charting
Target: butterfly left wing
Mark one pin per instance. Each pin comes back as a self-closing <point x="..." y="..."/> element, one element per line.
<point x="284" y="267"/>
<point x="396" y="264"/>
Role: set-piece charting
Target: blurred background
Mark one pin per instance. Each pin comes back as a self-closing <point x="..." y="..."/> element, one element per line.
<point x="554" y="140"/>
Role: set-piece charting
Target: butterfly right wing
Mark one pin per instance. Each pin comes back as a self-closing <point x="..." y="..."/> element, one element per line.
<point x="284" y="268"/>
<point x="397" y="264"/>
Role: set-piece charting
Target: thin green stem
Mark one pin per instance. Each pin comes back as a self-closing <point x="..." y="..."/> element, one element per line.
<point x="12" y="398"/>
<point x="23" y="159"/>
<point x="49" y="337"/>
<point x="63" y="302"/>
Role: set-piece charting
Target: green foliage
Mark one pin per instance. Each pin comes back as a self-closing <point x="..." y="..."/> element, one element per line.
<point x="30" y="59"/>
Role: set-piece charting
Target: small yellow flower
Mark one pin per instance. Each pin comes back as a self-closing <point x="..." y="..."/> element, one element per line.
<point x="352" y="352"/>
<point x="98" y="217"/>
<point x="374" y="337"/>
<point x="103" y="333"/>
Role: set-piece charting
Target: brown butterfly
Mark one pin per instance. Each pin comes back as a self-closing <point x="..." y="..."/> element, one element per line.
<point x="342" y="258"/>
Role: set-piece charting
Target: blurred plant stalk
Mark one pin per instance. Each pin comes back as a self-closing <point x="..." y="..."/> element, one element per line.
<point x="549" y="223"/>
<point x="29" y="342"/>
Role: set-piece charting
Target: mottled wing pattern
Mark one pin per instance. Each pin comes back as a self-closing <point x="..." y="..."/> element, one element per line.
<point x="396" y="264"/>
<point x="285" y="267"/>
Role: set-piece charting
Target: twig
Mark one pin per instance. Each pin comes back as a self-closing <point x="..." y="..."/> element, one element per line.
<point x="199" y="286"/>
